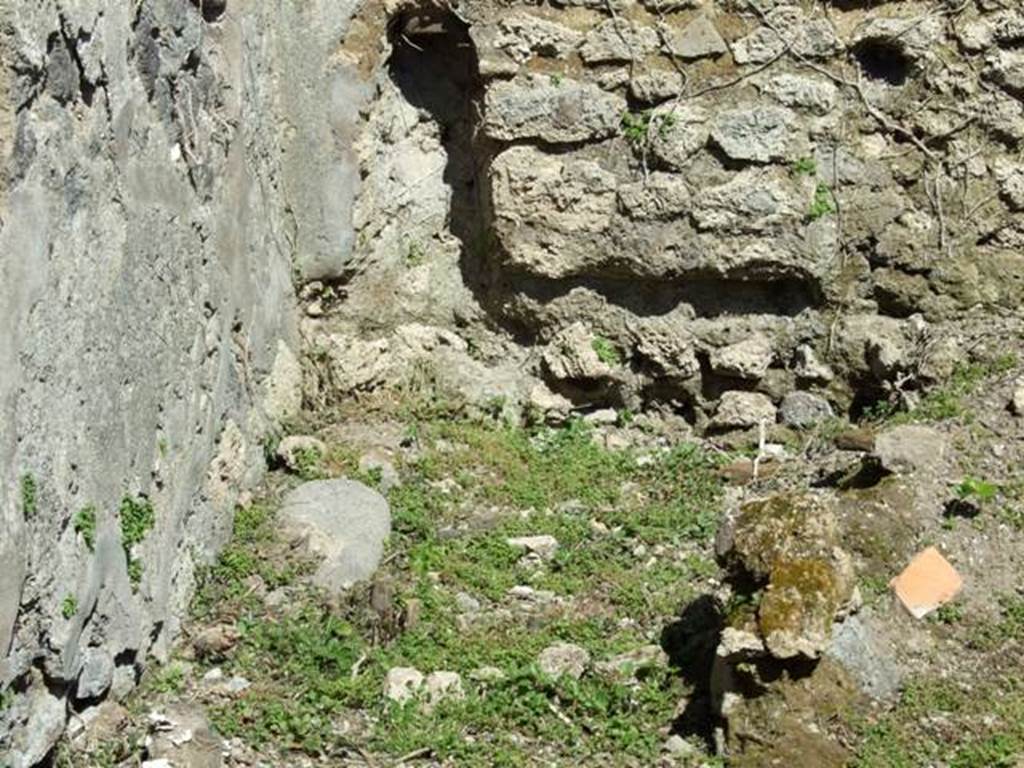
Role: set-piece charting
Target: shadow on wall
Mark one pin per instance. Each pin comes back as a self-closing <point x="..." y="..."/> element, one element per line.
<point x="434" y="65"/>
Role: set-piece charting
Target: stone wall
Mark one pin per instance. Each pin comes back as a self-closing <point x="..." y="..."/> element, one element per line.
<point x="166" y="167"/>
<point x="724" y="196"/>
<point x="697" y="205"/>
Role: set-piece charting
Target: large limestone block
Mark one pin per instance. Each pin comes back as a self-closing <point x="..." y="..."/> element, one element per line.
<point x="553" y="111"/>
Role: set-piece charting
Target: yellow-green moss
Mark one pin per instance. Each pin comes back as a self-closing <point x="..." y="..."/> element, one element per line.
<point x="800" y="591"/>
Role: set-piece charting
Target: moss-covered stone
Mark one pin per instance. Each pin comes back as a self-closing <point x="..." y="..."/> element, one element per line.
<point x="796" y="613"/>
<point x="788" y="545"/>
<point x="780" y="528"/>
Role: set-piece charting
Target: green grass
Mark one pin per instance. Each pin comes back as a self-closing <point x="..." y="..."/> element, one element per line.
<point x="85" y="525"/>
<point x="950" y="613"/>
<point x="963" y="721"/>
<point x="226" y="582"/>
<point x="804" y="166"/>
<point x="637" y="126"/>
<point x="607" y="352"/>
<point x="946" y="401"/>
<point x="137" y="518"/>
<point x="1009" y="628"/>
<point x="309" y="464"/>
<point x="303" y="665"/>
<point x="69" y="606"/>
<point x="1012" y="511"/>
<point x="167" y="679"/>
<point x="823" y="203"/>
<point x="938" y="722"/>
<point x="29" y="496"/>
<point x="415" y="254"/>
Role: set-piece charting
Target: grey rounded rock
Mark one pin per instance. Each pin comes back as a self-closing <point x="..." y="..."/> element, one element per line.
<point x="97" y="674"/>
<point x="739" y="410"/>
<point x="343" y="522"/>
<point x="564" y="659"/>
<point x="804" y="409"/>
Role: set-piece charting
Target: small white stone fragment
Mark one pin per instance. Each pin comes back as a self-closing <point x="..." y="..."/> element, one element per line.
<point x="564" y="659"/>
<point x="543" y="546"/>
<point x="402" y="683"/>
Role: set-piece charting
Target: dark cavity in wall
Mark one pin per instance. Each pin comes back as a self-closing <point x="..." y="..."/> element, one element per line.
<point x="212" y="10"/>
<point x="434" y="65"/>
<point x="708" y="296"/>
<point x="884" y="60"/>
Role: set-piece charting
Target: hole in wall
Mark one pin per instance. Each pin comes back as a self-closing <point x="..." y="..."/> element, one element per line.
<point x="435" y="67"/>
<point x="883" y="60"/>
<point x="212" y="10"/>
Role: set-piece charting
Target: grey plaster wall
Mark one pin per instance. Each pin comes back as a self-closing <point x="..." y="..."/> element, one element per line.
<point x="164" y="177"/>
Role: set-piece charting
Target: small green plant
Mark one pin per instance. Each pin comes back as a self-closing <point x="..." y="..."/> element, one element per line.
<point x="978" y="491"/>
<point x="135" y="571"/>
<point x="873" y="587"/>
<point x="69" y="606"/>
<point x="137" y="518"/>
<point x="556" y="79"/>
<point x="823" y="202"/>
<point x="169" y="679"/>
<point x="6" y="699"/>
<point x="29" y="495"/>
<point x="950" y="613"/>
<point x="85" y="525"/>
<point x="637" y="126"/>
<point x="415" y="254"/>
<point x="308" y="463"/>
<point x="805" y="166"/>
<point x="606" y="351"/>
<point x="494" y="407"/>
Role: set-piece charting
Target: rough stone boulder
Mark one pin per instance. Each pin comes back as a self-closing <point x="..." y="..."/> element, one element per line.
<point x="910" y="448"/>
<point x="739" y="410"/>
<point x="660" y="197"/>
<point x="788" y="544"/>
<point x="758" y="133"/>
<point x="814" y="94"/>
<point x="344" y="523"/>
<point x="754" y="200"/>
<point x="571" y="355"/>
<point x="666" y="346"/>
<point x="555" y="112"/>
<point x="680" y="130"/>
<point x="747" y="359"/>
<point x="549" y="208"/>
<point x="183" y="736"/>
<point x="810" y="38"/>
<point x="617" y="40"/>
<point x="782" y="554"/>
<point x="697" y="40"/>
<point x="804" y="409"/>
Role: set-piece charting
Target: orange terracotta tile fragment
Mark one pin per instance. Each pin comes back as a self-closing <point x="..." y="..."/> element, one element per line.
<point x="926" y="583"/>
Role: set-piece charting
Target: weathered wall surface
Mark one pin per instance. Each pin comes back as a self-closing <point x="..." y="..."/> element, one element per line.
<point x="163" y="176"/>
<point x="704" y="205"/>
<point x="725" y="196"/>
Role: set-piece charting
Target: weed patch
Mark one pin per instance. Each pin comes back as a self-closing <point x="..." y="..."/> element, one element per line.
<point x="137" y="518"/>
<point x="468" y="488"/>
<point x="85" y="525"/>
<point x="29" y="496"/>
